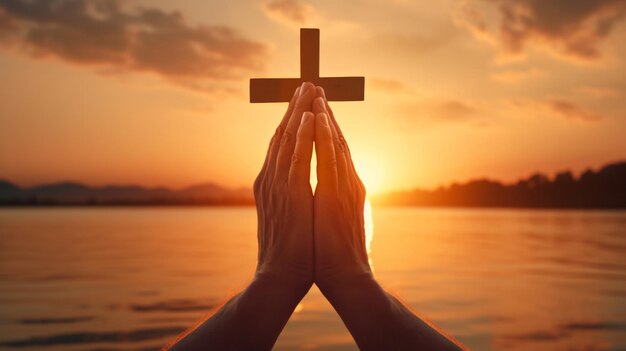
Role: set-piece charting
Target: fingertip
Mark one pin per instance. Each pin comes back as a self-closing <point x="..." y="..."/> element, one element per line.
<point x="295" y="97"/>
<point x="323" y="132"/>
<point x="322" y="118"/>
<point x="307" y="117"/>
<point x="320" y="92"/>
<point x="318" y="105"/>
<point x="306" y="88"/>
<point x="306" y="129"/>
<point x="325" y="152"/>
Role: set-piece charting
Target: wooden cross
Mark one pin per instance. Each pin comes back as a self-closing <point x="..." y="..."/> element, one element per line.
<point x="281" y="89"/>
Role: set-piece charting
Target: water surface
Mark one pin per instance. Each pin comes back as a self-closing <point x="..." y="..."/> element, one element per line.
<point x="132" y="278"/>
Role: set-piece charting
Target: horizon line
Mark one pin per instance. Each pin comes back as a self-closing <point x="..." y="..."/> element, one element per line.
<point x="206" y="183"/>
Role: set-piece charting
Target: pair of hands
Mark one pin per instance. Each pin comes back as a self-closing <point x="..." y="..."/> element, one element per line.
<point x="307" y="238"/>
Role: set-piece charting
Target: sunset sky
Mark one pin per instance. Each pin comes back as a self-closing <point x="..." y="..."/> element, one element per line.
<point x="156" y="92"/>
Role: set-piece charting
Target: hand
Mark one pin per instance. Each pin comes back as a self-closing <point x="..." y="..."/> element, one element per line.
<point x="339" y="233"/>
<point x="285" y="200"/>
<point x="376" y="320"/>
<point x="253" y="319"/>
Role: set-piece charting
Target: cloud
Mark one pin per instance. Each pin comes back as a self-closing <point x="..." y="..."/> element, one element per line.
<point x="515" y="76"/>
<point x="435" y="112"/>
<point x="388" y="85"/>
<point x="419" y="43"/>
<point x="552" y="107"/>
<point x="570" y="110"/>
<point x="598" y="92"/>
<point x="103" y="34"/>
<point x="570" y="28"/>
<point x="292" y="12"/>
<point x="450" y="110"/>
<point x="432" y="111"/>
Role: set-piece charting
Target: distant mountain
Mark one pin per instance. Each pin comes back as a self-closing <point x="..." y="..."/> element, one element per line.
<point x="605" y="188"/>
<point x="76" y="194"/>
<point x="8" y="188"/>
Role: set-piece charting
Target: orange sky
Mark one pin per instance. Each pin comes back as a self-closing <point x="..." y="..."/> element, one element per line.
<point x="155" y="92"/>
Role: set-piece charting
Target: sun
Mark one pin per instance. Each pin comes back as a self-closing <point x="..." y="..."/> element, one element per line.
<point x="371" y="173"/>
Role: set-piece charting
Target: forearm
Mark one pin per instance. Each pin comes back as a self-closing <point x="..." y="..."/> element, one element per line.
<point x="252" y="320"/>
<point x="378" y="321"/>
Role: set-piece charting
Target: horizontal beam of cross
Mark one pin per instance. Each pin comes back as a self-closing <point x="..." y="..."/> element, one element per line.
<point x="281" y="89"/>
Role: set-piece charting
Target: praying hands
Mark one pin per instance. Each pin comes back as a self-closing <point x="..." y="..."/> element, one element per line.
<point x="306" y="238"/>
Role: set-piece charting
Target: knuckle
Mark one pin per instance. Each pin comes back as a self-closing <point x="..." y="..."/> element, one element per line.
<point x="304" y="132"/>
<point x="276" y="136"/>
<point x="344" y="143"/>
<point x="295" y="187"/>
<point x="362" y="189"/>
<point x="296" y="158"/>
<point x="279" y="130"/>
<point x="286" y="138"/>
<point x="325" y="134"/>
<point x="276" y="190"/>
<point x="273" y="139"/>
<point x="325" y="143"/>
<point x="256" y="187"/>
<point x="338" y="145"/>
<point x="257" y="182"/>
<point x="332" y="163"/>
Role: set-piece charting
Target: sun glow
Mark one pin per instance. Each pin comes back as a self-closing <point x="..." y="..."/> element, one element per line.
<point x="371" y="173"/>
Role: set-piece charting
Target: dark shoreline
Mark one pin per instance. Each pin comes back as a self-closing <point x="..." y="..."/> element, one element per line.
<point x="601" y="189"/>
<point x="182" y="206"/>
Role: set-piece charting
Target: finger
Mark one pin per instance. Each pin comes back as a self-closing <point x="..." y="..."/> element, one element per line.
<point x="288" y="140"/>
<point x="316" y="107"/>
<point x="340" y="135"/>
<point x="300" y="170"/>
<point x="325" y="152"/>
<point x="273" y="151"/>
<point x="342" y="139"/>
<point x="322" y="93"/>
<point x="333" y="120"/>
<point x="261" y="175"/>
<point x="292" y="104"/>
<point x="319" y="106"/>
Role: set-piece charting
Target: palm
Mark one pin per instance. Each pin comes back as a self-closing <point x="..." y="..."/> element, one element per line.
<point x="289" y="247"/>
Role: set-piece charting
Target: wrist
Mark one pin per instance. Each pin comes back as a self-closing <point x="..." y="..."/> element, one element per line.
<point x="346" y="280"/>
<point x="366" y="310"/>
<point x="286" y="287"/>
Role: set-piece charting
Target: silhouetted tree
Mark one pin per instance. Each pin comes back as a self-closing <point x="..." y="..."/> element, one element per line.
<point x="604" y="189"/>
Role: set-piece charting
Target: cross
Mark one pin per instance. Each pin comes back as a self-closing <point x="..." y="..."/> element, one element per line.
<point x="281" y="89"/>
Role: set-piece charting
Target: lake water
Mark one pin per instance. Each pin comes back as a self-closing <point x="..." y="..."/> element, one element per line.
<point x="132" y="278"/>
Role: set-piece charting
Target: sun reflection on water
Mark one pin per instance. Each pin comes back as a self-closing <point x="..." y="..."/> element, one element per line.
<point x="369" y="228"/>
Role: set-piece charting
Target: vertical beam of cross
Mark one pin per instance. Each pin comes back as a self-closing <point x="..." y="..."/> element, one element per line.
<point x="309" y="54"/>
<point x="281" y="89"/>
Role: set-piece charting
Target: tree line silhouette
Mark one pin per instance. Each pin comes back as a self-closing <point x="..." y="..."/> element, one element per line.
<point x="605" y="188"/>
